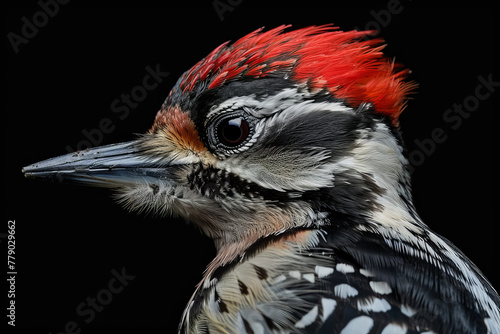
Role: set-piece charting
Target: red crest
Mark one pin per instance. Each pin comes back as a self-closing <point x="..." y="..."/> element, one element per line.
<point x="321" y="56"/>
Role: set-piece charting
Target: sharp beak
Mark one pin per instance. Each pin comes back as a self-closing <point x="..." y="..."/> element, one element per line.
<point x="104" y="166"/>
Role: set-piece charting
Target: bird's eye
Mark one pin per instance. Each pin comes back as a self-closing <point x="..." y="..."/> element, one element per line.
<point x="233" y="131"/>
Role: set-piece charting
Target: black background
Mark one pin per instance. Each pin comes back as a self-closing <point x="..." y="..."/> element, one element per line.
<point x="69" y="238"/>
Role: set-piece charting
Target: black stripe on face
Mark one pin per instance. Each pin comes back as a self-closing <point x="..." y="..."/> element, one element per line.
<point x="213" y="183"/>
<point x="333" y="131"/>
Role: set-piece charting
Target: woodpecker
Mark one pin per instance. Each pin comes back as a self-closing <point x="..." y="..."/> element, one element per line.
<point x="284" y="147"/>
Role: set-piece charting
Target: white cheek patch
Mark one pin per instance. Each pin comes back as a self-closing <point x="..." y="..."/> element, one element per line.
<point x="282" y="170"/>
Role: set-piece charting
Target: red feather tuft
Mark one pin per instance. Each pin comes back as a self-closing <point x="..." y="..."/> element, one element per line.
<point x="321" y="56"/>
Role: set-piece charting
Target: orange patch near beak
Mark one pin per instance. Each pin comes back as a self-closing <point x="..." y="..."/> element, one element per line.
<point x="178" y="128"/>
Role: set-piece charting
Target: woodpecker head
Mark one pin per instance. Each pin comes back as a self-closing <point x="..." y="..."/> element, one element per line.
<point x="277" y="131"/>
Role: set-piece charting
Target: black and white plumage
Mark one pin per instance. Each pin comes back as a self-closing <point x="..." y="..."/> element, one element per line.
<point x="284" y="148"/>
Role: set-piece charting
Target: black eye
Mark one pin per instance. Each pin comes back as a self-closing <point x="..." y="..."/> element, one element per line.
<point x="232" y="131"/>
